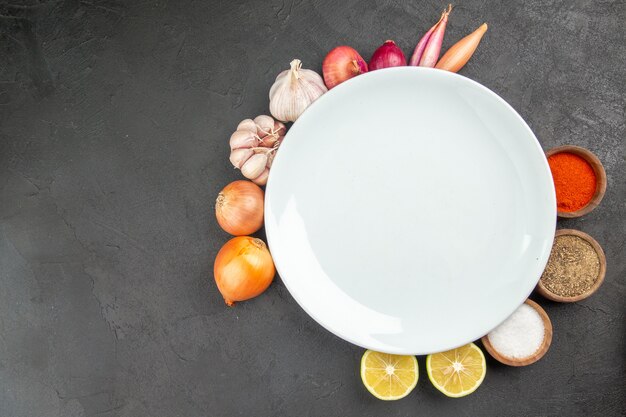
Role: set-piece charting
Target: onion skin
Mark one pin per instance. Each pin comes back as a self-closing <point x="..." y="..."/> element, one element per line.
<point x="243" y="269"/>
<point x="341" y="64"/>
<point x="239" y="208"/>
<point x="460" y="53"/>
<point x="387" y="55"/>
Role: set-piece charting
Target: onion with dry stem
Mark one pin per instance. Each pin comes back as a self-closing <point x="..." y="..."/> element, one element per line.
<point x="239" y="208"/>
<point x="341" y="64"/>
<point x="457" y="56"/>
<point x="427" y="50"/>
<point x="243" y="269"/>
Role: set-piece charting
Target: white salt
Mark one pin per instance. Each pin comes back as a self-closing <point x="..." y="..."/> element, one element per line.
<point x="520" y="335"/>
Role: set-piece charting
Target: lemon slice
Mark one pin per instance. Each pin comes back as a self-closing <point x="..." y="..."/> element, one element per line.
<point x="457" y="372"/>
<point x="389" y="377"/>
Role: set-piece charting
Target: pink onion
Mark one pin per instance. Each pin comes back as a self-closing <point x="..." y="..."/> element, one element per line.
<point x="387" y="55"/>
<point x="428" y="48"/>
<point x="341" y="64"/>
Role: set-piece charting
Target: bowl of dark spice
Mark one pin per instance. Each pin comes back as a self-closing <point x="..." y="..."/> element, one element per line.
<point x="579" y="180"/>
<point x="575" y="269"/>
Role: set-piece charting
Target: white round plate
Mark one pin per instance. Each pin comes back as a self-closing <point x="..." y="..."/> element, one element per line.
<point x="410" y="210"/>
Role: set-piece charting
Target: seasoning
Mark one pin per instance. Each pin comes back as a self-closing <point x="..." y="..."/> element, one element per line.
<point x="574" y="181"/>
<point x="573" y="267"/>
<point x="521" y="335"/>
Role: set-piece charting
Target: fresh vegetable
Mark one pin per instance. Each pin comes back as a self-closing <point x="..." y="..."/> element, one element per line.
<point x="293" y="91"/>
<point x="268" y="130"/>
<point x="457" y="372"/>
<point x="243" y="269"/>
<point x="389" y="377"/>
<point x="457" y="56"/>
<point x="387" y="55"/>
<point x="427" y="50"/>
<point x="254" y="145"/>
<point x="341" y="64"/>
<point x="239" y="208"/>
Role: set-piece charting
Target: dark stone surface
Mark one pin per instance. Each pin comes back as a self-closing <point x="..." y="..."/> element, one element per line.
<point x="114" y="120"/>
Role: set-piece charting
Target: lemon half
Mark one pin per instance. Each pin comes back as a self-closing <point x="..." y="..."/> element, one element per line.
<point x="457" y="372"/>
<point x="389" y="377"/>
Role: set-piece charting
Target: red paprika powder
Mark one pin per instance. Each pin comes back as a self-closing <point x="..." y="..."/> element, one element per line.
<point x="574" y="181"/>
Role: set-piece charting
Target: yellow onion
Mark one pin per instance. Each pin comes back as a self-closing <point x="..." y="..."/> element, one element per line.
<point x="239" y="208"/>
<point x="243" y="269"/>
<point x="457" y="56"/>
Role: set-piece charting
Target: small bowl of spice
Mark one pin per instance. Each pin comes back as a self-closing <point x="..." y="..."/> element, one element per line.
<point x="579" y="180"/>
<point x="575" y="269"/>
<point x="521" y="339"/>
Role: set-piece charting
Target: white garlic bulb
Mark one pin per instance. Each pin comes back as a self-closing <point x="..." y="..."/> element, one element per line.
<point x="293" y="91"/>
<point x="253" y="146"/>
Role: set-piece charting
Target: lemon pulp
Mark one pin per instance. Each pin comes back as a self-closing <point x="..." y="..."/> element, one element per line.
<point x="388" y="376"/>
<point x="457" y="372"/>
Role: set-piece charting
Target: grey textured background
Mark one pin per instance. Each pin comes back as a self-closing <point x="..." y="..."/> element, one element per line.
<point x="114" y="121"/>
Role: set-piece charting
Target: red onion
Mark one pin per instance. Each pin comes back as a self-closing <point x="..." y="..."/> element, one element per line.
<point x="387" y="55"/>
<point x="341" y="64"/>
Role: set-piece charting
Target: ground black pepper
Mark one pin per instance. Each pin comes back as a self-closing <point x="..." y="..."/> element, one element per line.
<point x="573" y="267"/>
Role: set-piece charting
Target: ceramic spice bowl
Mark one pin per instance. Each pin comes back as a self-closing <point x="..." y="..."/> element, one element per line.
<point x="534" y="357"/>
<point x="600" y="174"/>
<point x="543" y="287"/>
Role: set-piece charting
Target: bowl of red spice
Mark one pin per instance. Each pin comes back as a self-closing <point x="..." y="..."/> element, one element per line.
<point x="579" y="180"/>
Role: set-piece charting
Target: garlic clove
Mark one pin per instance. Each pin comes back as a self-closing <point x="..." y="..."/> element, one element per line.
<point x="243" y="139"/>
<point x="239" y="156"/>
<point x="269" y="141"/>
<point x="262" y="179"/>
<point x="270" y="159"/>
<point x="264" y="124"/>
<point x="279" y="128"/>
<point x="276" y="135"/>
<point x="254" y="166"/>
<point x="247" y="124"/>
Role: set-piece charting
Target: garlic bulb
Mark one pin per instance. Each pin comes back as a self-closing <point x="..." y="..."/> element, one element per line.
<point x="293" y="91"/>
<point x="253" y="146"/>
